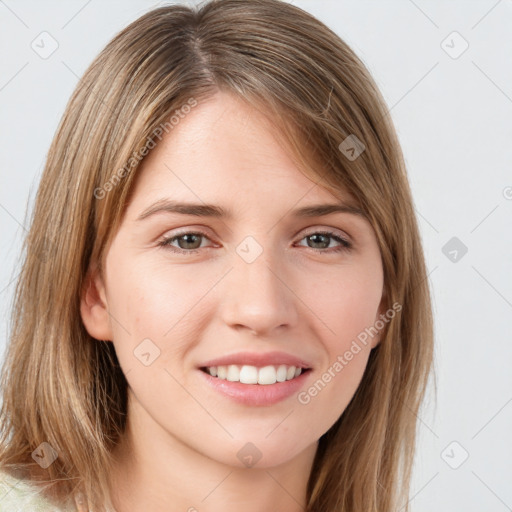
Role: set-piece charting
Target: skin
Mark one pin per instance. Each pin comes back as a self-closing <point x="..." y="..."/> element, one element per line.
<point x="180" y="448"/>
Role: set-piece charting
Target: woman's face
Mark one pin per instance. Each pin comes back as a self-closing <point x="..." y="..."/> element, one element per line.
<point x="257" y="287"/>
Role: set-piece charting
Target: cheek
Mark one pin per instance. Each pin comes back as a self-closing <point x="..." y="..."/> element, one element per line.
<point x="346" y="305"/>
<point x="347" y="309"/>
<point x="169" y="305"/>
<point x="153" y="303"/>
<point x="151" y="312"/>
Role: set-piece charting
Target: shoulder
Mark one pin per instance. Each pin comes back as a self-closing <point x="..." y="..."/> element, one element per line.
<point x="21" y="496"/>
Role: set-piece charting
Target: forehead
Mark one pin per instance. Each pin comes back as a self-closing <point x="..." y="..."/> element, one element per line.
<point x="225" y="150"/>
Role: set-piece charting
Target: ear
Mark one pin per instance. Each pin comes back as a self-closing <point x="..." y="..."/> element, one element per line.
<point x="94" y="307"/>
<point x="383" y="307"/>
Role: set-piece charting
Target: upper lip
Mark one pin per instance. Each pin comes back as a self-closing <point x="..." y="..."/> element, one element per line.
<point x="258" y="359"/>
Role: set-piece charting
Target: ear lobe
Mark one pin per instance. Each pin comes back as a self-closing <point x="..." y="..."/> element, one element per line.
<point x="94" y="307"/>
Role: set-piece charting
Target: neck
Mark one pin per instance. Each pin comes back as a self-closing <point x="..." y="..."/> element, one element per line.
<point x="156" y="471"/>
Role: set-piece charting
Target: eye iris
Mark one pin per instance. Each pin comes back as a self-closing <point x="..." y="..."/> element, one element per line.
<point x="187" y="241"/>
<point x="315" y="240"/>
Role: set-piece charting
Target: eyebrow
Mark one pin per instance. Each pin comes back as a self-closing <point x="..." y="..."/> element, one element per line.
<point x="210" y="210"/>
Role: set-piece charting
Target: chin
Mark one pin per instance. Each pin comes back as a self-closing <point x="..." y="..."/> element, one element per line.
<point x="259" y="453"/>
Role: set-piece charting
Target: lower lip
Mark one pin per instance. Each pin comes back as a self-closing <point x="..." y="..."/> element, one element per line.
<point x="257" y="394"/>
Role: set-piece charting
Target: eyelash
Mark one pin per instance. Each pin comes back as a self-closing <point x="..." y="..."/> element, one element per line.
<point x="345" y="244"/>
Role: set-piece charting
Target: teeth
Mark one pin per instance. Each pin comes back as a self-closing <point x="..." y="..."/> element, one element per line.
<point x="267" y="375"/>
<point x="248" y="375"/>
<point x="222" y="372"/>
<point x="253" y="375"/>
<point x="233" y="374"/>
<point x="281" y="373"/>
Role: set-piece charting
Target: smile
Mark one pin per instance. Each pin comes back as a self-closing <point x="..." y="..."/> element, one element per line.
<point x="248" y="374"/>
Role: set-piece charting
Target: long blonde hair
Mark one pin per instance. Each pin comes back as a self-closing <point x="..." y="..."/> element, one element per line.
<point x="62" y="387"/>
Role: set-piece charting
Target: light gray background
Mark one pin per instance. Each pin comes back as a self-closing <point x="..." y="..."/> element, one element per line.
<point x="454" y="119"/>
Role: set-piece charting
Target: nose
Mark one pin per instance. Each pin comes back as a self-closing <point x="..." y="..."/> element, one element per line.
<point x="259" y="297"/>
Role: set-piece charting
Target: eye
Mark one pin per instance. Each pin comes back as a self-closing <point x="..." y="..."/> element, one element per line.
<point x="322" y="238"/>
<point x="190" y="242"/>
<point x="187" y="242"/>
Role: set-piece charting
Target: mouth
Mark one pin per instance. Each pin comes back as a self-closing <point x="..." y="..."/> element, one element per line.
<point x="255" y="375"/>
<point x="256" y="378"/>
<point x="255" y="386"/>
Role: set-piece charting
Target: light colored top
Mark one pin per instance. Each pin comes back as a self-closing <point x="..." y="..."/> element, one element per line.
<point x="22" y="496"/>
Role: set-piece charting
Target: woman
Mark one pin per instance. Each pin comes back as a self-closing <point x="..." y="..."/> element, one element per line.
<point x="278" y="362"/>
